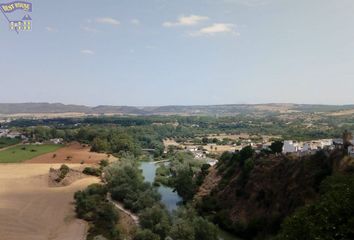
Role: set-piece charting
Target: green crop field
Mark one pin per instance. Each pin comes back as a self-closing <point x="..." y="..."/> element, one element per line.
<point x="21" y="153"/>
<point x="5" y="142"/>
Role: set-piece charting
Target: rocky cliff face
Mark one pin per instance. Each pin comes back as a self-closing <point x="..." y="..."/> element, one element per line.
<point x="254" y="196"/>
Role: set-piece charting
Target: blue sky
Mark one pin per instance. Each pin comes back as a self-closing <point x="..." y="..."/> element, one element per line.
<point x="183" y="52"/>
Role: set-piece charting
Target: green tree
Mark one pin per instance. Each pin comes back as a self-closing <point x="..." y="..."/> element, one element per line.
<point x="331" y="218"/>
<point x="277" y="146"/>
<point x="204" y="229"/>
<point x="184" y="182"/>
<point x="156" y="219"/>
<point x="99" y="145"/>
<point x="182" y="230"/>
<point x="347" y="137"/>
<point x="146" y="234"/>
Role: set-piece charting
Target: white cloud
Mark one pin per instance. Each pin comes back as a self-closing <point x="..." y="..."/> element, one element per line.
<point x="107" y="20"/>
<point x="51" y="29"/>
<point x="135" y="21"/>
<point x="89" y="29"/>
<point x="215" y="29"/>
<point x="186" y="21"/>
<point x="87" y="52"/>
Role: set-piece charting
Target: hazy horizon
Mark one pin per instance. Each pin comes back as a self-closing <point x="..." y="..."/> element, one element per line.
<point x="202" y="52"/>
<point x="181" y="105"/>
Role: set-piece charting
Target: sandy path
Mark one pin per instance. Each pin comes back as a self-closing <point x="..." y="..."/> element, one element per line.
<point x="30" y="210"/>
<point x="121" y="208"/>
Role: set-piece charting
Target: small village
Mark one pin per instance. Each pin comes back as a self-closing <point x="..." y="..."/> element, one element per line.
<point x="210" y="151"/>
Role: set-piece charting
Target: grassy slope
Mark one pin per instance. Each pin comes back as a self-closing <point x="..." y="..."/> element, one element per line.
<point x="18" y="154"/>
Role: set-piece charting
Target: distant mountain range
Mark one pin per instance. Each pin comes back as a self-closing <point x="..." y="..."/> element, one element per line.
<point x="209" y="110"/>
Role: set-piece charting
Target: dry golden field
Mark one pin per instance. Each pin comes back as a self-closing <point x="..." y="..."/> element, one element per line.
<point x="31" y="210"/>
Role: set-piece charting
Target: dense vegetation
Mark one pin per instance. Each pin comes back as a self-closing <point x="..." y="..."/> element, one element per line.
<point x="147" y="132"/>
<point x="5" y="142"/>
<point x="92" y="206"/>
<point x="256" y="191"/>
<point x="329" y="218"/>
<point x="184" y="173"/>
<point x="126" y="184"/>
<point x="184" y="224"/>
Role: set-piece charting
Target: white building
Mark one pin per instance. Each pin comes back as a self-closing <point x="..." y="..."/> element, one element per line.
<point x="199" y="154"/>
<point x="13" y="134"/>
<point x="192" y="148"/>
<point x="4" y="132"/>
<point x="212" y="162"/>
<point x="56" y="140"/>
<point x="351" y="151"/>
<point x="306" y="147"/>
<point x="290" y="147"/>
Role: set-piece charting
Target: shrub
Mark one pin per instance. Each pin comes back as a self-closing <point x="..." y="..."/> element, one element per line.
<point x="103" y="163"/>
<point x="92" y="171"/>
<point x="63" y="171"/>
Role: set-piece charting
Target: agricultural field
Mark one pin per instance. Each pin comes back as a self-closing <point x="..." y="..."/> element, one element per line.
<point x="72" y="153"/>
<point x="20" y="153"/>
<point x="6" y="142"/>
<point x="32" y="210"/>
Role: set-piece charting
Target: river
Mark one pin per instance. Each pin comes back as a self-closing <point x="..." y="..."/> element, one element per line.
<point x="170" y="198"/>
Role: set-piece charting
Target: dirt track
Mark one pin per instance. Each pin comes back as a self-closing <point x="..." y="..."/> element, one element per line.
<point x="72" y="153"/>
<point x="30" y="210"/>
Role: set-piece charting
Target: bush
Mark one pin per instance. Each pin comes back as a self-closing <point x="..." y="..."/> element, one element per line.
<point x="103" y="163"/>
<point x="63" y="171"/>
<point x="92" y="171"/>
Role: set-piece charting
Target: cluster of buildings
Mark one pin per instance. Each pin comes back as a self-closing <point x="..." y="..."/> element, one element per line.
<point x="311" y="147"/>
<point x="9" y="134"/>
<point x="291" y="146"/>
<point x="201" y="154"/>
<point x="197" y="152"/>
